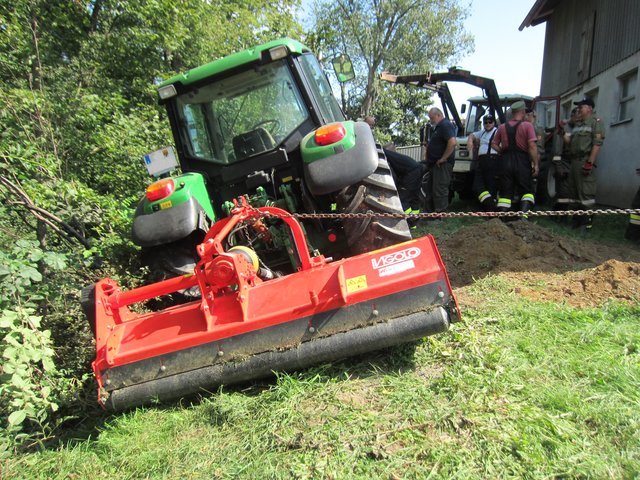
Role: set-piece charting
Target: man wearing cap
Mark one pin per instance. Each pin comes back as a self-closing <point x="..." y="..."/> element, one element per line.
<point x="515" y="141"/>
<point x="584" y="140"/>
<point x="485" y="184"/>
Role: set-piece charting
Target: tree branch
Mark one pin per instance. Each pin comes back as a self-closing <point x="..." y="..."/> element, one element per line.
<point x="43" y="215"/>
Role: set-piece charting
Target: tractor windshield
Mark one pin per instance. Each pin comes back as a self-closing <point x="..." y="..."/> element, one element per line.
<point x="242" y="115"/>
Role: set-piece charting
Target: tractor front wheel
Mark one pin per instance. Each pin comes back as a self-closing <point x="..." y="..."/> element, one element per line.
<point x="375" y="194"/>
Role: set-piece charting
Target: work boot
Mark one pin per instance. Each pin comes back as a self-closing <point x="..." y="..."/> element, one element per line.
<point x="525" y="206"/>
<point x="488" y="205"/>
<point x="487" y="201"/>
<point x="588" y="222"/>
<point x="412" y="221"/>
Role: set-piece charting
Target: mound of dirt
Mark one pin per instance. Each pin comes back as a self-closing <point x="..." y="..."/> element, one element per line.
<point x="542" y="265"/>
<point x="585" y="288"/>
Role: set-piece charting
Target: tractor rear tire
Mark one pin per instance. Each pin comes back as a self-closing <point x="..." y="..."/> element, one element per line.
<point x="375" y="194"/>
<point x="88" y="304"/>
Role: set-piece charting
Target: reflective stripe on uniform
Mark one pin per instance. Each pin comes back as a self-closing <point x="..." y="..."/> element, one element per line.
<point x="634" y="219"/>
<point x="565" y="200"/>
<point x="504" y="202"/>
<point x="483" y="196"/>
<point x="528" y="197"/>
<point x="588" y="203"/>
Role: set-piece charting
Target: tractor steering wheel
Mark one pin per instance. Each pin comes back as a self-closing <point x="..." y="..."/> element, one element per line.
<point x="269" y="121"/>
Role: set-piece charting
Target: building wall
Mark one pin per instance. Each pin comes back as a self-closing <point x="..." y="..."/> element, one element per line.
<point x="584" y="38"/>
<point x="589" y="46"/>
<point x="620" y="153"/>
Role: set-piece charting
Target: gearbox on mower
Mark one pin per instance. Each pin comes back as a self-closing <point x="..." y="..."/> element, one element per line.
<point x="260" y="138"/>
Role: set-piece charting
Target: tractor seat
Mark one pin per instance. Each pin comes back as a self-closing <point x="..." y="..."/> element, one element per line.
<point x="252" y="142"/>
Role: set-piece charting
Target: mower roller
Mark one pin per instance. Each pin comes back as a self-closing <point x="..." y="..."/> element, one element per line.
<point x="245" y="327"/>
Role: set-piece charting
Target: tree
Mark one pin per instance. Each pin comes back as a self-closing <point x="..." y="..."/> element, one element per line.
<point x="78" y="110"/>
<point x="401" y="36"/>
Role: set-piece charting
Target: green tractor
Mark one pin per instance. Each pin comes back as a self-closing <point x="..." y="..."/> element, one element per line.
<point x="263" y="124"/>
<point x="260" y="138"/>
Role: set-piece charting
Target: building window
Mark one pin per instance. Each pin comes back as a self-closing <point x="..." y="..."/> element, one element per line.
<point x="628" y="83"/>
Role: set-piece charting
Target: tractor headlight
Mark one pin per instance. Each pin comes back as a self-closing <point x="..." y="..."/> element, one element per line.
<point x="276" y="53"/>
<point x="167" y="91"/>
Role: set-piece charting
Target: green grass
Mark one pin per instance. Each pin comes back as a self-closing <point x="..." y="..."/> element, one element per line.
<point x="519" y="390"/>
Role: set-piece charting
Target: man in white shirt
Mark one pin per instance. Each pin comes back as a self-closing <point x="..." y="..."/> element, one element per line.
<point x="485" y="183"/>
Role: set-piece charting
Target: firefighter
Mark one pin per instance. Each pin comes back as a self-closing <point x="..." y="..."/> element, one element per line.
<point x="484" y="180"/>
<point x="562" y="162"/>
<point x="516" y="142"/>
<point x="530" y="116"/>
<point x="584" y="142"/>
<point x="633" y="228"/>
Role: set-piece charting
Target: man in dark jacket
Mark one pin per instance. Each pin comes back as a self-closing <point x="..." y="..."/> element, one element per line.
<point x="440" y="160"/>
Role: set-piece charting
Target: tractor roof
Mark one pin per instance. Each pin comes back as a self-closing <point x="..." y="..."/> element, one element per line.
<point x="505" y="98"/>
<point x="234" y="60"/>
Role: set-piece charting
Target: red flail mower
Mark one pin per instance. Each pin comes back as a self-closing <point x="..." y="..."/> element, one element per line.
<point x="243" y="327"/>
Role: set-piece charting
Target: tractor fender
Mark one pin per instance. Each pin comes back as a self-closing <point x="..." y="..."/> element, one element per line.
<point x="343" y="167"/>
<point x="166" y="226"/>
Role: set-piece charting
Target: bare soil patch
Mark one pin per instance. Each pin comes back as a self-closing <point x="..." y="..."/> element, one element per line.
<point x="542" y="265"/>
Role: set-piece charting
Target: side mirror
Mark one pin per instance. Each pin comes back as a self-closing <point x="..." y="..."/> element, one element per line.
<point x="343" y="67"/>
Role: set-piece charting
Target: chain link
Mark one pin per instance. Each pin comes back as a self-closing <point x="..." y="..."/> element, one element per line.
<point x="529" y="214"/>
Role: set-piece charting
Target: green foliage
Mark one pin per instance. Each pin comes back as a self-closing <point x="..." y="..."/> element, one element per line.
<point x="78" y="110"/>
<point x="29" y="381"/>
<point x="400" y="112"/>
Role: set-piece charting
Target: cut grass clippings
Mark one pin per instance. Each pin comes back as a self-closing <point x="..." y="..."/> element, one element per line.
<point x="519" y="390"/>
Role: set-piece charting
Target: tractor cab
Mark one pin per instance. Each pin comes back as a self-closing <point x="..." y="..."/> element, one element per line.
<point x="240" y="120"/>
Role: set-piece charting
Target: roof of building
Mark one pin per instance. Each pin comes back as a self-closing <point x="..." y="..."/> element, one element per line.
<point x="539" y="13"/>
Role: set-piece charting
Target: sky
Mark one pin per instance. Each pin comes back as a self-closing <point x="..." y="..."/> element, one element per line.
<point x="512" y="58"/>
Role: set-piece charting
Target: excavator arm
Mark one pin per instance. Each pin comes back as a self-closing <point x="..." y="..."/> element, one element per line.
<point x="422" y="81"/>
<point x="435" y="82"/>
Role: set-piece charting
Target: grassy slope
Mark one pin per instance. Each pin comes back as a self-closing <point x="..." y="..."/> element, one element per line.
<point x="521" y="390"/>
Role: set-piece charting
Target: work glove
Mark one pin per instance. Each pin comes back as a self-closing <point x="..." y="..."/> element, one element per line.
<point x="586" y="168"/>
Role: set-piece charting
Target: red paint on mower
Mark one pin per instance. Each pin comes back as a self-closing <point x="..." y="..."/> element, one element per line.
<point x="235" y="303"/>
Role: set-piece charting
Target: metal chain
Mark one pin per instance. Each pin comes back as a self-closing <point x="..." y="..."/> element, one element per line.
<point x="536" y="213"/>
